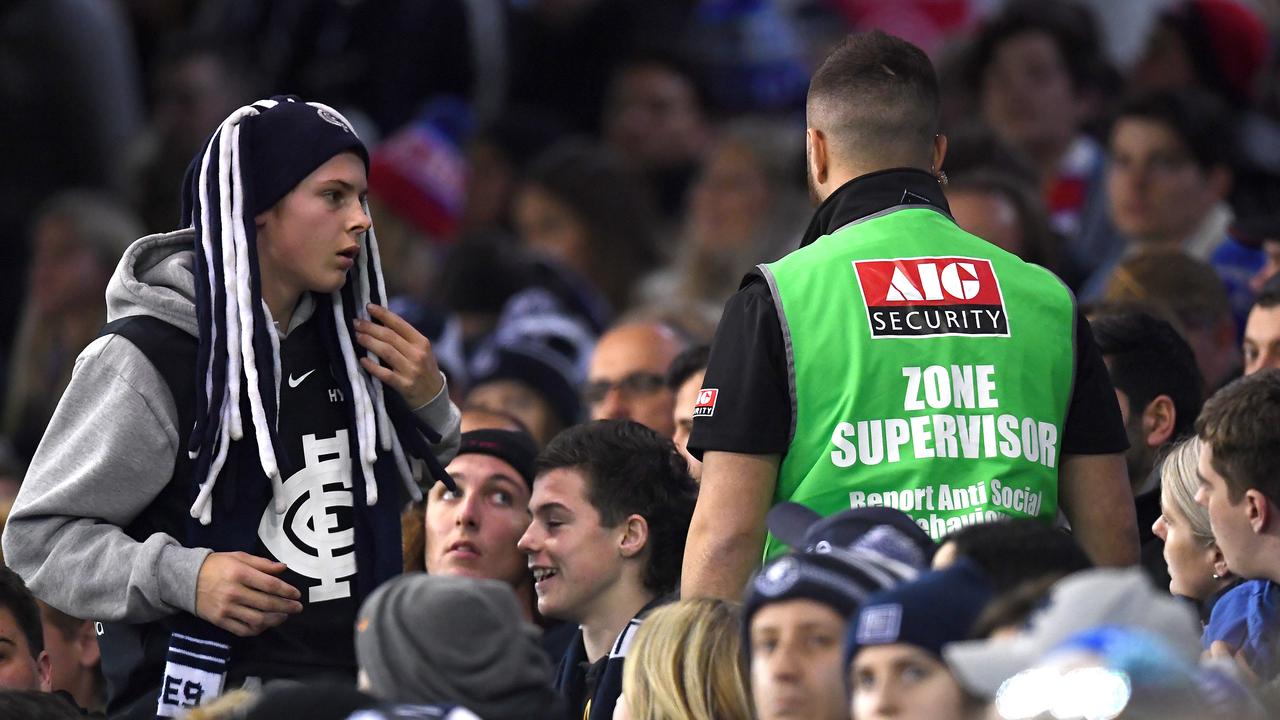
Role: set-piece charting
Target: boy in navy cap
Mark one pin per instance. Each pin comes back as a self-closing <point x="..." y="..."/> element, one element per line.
<point x="224" y="524"/>
<point x="894" y="649"/>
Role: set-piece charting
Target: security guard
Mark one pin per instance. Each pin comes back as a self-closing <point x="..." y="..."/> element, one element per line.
<point x="896" y="360"/>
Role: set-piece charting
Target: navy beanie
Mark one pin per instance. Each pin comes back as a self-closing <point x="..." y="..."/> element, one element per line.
<point x="839" y="579"/>
<point x="516" y="449"/>
<point x="288" y="142"/>
<point x="937" y="608"/>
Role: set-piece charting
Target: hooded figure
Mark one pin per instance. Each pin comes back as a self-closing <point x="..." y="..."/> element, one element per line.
<point x="453" y="640"/>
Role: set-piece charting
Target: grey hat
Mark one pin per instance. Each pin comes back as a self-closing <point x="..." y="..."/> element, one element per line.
<point x="1088" y="599"/>
<point x="443" y="639"/>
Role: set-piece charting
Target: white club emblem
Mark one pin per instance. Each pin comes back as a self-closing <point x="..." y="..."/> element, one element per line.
<point x="307" y="537"/>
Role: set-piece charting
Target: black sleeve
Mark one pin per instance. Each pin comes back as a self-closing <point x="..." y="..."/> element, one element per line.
<point x="1093" y="425"/>
<point x="748" y="371"/>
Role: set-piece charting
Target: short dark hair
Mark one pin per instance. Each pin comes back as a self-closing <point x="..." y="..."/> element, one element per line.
<point x="630" y="469"/>
<point x="1241" y="423"/>
<point x="1199" y="120"/>
<point x="685" y="365"/>
<point x="1070" y="26"/>
<point x="877" y="96"/>
<point x="1269" y="297"/>
<point x="18" y="600"/>
<point x="1147" y="358"/>
<point x="1014" y="551"/>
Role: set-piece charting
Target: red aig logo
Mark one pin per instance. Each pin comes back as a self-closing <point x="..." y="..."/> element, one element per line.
<point x="706" y="405"/>
<point x="917" y="297"/>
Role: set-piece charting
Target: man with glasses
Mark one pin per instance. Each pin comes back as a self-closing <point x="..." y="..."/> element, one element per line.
<point x="627" y="376"/>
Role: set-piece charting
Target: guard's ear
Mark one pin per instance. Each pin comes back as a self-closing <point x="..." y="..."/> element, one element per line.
<point x="939" y="152"/>
<point x="817" y="155"/>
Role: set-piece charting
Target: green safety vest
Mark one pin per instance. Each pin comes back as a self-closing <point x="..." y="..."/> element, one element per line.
<point x="929" y="371"/>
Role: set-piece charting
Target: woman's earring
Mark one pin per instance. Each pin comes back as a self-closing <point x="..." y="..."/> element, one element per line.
<point x="942" y="177"/>
<point x="1216" y="576"/>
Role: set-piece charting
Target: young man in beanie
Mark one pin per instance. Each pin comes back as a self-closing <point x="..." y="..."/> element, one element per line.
<point x="611" y="508"/>
<point x="794" y="618"/>
<point x="224" y="525"/>
<point x="893" y="655"/>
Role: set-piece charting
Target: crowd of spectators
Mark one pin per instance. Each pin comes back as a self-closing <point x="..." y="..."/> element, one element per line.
<point x="566" y="194"/>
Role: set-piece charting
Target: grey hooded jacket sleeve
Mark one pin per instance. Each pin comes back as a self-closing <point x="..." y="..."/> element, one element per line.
<point x="107" y="454"/>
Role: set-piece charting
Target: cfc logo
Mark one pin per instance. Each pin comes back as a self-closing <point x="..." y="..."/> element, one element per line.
<point x="920" y="297"/>
<point x="314" y="536"/>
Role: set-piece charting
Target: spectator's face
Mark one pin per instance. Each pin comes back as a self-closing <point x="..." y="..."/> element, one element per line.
<point x="652" y="118"/>
<point x="1139" y="458"/>
<point x="73" y="659"/>
<point x="1155" y="190"/>
<point x="903" y="681"/>
<point x="18" y="670"/>
<point x="311" y="237"/>
<point x="730" y="200"/>
<point x="626" y="378"/>
<point x="1027" y="94"/>
<point x="990" y="216"/>
<point x="474" y="531"/>
<point x="192" y="98"/>
<point x="570" y="552"/>
<point x="1191" y="563"/>
<point x="796" y="663"/>
<point x="65" y="275"/>
<point x="1230" y="520"/>
<point x="1261" y="348"/>
<point x="1270" y="267"/>
<point x="551" y="229"/>
<point x="1165" y="63"/>
<point x="521" y="401"/>
<point x="686" y="398"/>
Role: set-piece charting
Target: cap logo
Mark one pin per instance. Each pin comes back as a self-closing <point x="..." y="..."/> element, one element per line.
<point x="332" y="119"/>
<point x="879" y="624"/>
<point x="779" y="577"/>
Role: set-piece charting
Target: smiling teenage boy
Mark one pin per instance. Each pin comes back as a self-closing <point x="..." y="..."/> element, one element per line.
<point x="611" y="506"/>
<point x="224" y="524"/>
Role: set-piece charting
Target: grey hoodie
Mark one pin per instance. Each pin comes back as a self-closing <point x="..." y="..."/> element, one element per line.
<point x="109" y="450"/>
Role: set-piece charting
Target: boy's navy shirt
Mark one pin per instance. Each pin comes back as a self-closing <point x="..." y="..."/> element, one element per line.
<point x="314" y="537"/>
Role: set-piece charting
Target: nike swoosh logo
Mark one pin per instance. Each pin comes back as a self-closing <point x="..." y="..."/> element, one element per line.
<point x="295" y="382"/>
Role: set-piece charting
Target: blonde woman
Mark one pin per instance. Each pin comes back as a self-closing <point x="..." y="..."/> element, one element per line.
<point x="1197" y="569"/>
<point x="1242" y="618"/>
<point x="686" y="663"/>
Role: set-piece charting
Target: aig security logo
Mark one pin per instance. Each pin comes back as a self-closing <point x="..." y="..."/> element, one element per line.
<point x="932" y="296"/>
<point x="706" y="405"/>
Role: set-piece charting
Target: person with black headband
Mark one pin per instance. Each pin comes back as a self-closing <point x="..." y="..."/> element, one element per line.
<point x="220" y="485"/>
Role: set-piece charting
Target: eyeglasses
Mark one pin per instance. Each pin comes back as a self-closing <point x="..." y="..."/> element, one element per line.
<point x="633" y="385"/>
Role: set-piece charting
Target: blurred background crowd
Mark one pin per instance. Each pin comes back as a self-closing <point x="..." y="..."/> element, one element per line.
<point x="567" y="191"/>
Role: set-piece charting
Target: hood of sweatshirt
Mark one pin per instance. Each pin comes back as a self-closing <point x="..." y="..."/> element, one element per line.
<point x="156" y="277"/>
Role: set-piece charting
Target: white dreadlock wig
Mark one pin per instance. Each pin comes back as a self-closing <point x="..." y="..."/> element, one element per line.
<point x="237" y="333"/>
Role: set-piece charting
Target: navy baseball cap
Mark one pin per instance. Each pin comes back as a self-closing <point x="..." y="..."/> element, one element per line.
<point x="890" y="532"/>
